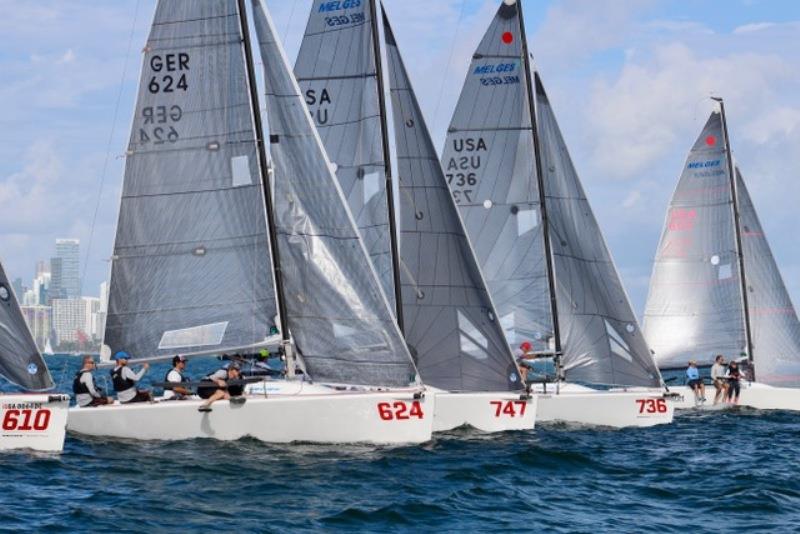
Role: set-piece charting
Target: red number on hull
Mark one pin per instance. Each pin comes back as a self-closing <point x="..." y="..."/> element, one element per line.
<point x="652" y="406"/>
<point x="400" y="411"/>
<point x="26" y="420"/>
<point x="510" y="408"/>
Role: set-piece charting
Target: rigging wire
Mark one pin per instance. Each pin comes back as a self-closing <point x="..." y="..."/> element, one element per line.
<point x="109" y="143"/>
<point x="447" y="68"/>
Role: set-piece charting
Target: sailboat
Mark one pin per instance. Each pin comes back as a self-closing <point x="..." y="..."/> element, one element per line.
<point x="48" y="348"/>
<point x="34" y="421"/>
<point x="216" y="248"/>
<point x="541" y="250"/>
<point x="422" y="252"/>
<point x="716" y="288"/>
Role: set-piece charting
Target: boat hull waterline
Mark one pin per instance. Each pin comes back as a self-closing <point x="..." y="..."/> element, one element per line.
<point x="289" y="412"/>
<point x="753" y="395"/>
<point x="487" y="412"/>
<point x="34" y="422"/>
<point x="617" y="409"/>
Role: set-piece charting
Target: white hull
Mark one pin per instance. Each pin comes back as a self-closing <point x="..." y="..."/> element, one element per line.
<point x="753" y="395"/>
<point x="488" y="412"/>
<point x="285" y="412"/>
<point x="617" y="409"/>
<point x="35" y="422"/>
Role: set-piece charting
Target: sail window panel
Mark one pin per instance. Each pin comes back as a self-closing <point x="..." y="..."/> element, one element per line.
<point x="473" y="343"/>
<point x="240" y="171"/>
<point x="193" y="118"/>
<point x="196" y="336"/>
<point x="725" y="271"/>
<point x="371" y="186"/>
<point x="527" y="220"/>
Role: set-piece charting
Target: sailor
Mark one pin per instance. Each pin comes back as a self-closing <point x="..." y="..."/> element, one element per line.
<point x="718" y="376"/>
<point x="695" y="382"/>
<point x="217" y="386"/>
<point x="86" y="393"/>
<point x="734" y="375"/>
<point x="176" y="376"/>
<point x="124" y="380"/>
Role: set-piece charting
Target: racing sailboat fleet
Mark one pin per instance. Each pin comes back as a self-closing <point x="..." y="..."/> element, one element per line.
<point x="716" y="282"/>
<point x="395" y="317"/>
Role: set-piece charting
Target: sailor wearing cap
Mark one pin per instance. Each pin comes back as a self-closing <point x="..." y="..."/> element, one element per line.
<point x="176" y="376"/>
<point x="125" y="380"/>
<point x="221" y="384"/>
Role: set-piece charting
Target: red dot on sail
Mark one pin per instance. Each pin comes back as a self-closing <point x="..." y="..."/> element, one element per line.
<point x="508" y="37"/>
<point x="711" y="140"/>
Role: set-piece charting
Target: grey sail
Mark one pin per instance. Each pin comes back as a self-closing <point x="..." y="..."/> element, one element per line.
<point x="490" y="167"/>
<point x="774" y="325"/>
<point x="337" y="311"/>
<point x="600" y="337"/>
<point x="191" y="269"/>
<point x="337" y="73"/>
<point x="694" y="309"/>
<point x="20" y="360"/>
<point x="451" y="324"/>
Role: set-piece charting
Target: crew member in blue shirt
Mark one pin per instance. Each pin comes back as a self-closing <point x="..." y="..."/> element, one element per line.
<point x="695" y="382"/>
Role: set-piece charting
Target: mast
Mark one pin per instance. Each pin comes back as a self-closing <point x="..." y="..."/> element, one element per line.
<point x="548" y="251"/>
<point x="264" y="172"/>
<point x="738" y="229"/>
<point x="376" y="46"/>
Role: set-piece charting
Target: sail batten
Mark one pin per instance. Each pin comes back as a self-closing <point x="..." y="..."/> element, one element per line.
<point x="451" y="324"/>
<point x="338" y="314"/>
<point x="191" y="259"/>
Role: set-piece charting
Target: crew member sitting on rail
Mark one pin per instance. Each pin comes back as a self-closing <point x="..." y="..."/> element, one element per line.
<point x="734" y="387"/>
<point x="124" y="380"/>
<point x="216" y="386"/>
<point x="695" y="382"/>
<point x="718" y="376"/>
<point x="176" y="376"/>
<point x="86" y="393"/>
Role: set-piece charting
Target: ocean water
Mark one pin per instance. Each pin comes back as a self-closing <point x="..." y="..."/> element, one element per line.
<point x="721" y="471"/>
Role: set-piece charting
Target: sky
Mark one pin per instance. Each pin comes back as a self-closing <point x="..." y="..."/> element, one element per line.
<point x="629" y="81"/>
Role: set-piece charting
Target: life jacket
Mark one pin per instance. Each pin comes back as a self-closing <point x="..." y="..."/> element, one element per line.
<point x="183" y="378"/>
<point x="120" y="383"/>
<point x="734" y="374"/>
<point x="78" y="387"/>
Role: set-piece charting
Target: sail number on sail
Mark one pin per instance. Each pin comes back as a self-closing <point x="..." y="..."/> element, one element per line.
<point x="652" y="405"/>
<point x="502" y="74"/>
<point x="510" y="408"/>
<point x="168" y="75"/>
<point x="461" y="168"/>
<point x="25" y="417"/>
<point x="399" y="410"/>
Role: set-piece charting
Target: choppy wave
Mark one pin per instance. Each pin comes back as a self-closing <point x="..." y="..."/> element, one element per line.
<point x="720" y="471"/>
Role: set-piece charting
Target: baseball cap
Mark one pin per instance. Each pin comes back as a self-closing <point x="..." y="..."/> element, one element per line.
<point x="121" y="355"/>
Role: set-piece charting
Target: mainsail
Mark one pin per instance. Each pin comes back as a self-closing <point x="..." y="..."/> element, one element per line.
<point x="490" y="158"/>
<point x="191" y="270"/>
<point x="337" y="72"/>
<point x="600" y="336"/>
<point x="775" y="328"/>
<point x="695" y="309"/>
<point x="451" y="324"/>
<point x="20" y="361"/>
<point x="338" y="313"/>
<point x="490" y="168"/>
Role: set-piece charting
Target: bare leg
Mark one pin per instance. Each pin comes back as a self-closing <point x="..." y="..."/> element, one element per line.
<point x="218" y="395"/>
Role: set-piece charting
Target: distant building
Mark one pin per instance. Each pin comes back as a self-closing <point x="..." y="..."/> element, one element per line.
<point x="39" y="322"/>
<point x="91" y="309"/>
<point x="69" y="320"/>
<point x="42" y="268"/>
<point x="19" y="289"/>
<point x="57" y="290"/>
<point x="68" y="252"/>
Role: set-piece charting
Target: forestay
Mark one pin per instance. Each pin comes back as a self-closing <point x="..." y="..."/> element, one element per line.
<point x="451" y="323"/>
<point x="337" y="73"/>
<point x="490" y="168"/>
<point x="695" y="309"/>
<point x="191" y="267"/>
<point x="20" y="360"/>
<point x="337" y="311"/>
<point x="774" y="324"/>
<point x="601" y="339"/>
